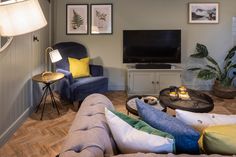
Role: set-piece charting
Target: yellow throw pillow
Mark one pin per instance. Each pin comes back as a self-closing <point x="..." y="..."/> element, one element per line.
<point x="79" y="67"/>
<point x="219" y="139"/>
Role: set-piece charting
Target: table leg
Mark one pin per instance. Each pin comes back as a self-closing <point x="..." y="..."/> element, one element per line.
<point x="53" y="100"/>
<point x="45" y="98"/>
<point x="41" y="99"/>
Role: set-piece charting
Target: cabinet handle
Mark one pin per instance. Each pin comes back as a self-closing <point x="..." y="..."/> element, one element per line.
<point x="158" y="82"/>
<point x="153" y="82"/>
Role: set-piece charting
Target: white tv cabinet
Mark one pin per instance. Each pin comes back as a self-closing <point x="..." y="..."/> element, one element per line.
<point x="151" y="81"/>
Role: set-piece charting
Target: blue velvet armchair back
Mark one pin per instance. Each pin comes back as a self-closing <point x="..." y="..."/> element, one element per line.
<point x="69" y="49"/>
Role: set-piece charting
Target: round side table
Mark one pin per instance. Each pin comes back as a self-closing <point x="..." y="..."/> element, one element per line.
<point x="199" y="102"/>
<point x="47" y="79"/>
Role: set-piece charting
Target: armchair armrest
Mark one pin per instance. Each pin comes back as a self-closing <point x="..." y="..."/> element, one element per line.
<point x="67" y="74"/>
<point x="96" y="70"/>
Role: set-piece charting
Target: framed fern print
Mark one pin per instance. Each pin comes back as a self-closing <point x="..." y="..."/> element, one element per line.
<point x="101" y="19"/>
<point x="77" y="19"/>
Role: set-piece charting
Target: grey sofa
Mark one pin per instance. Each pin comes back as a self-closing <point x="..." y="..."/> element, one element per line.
<point x="89" y="135"/>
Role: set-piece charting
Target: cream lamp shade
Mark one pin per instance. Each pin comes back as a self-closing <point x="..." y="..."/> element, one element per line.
<point x="19" y="17"/>
<point x="55" y="56"/>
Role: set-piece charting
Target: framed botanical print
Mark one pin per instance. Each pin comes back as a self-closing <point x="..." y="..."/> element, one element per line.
<point x="101" y="19"/>
<point x="77" y="19"/>
<point x="203" y="12"/>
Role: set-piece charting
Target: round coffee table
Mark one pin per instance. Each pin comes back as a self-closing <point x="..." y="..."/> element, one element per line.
<point x="151" y="100"/>
<point x="199" y="102"/>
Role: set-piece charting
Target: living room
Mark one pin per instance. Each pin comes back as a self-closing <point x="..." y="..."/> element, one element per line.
<point x="24" y="58"/>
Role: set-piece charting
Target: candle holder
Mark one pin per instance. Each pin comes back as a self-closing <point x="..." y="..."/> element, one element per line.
<point x="179" y="93"/>
<point x="183" y="93"/>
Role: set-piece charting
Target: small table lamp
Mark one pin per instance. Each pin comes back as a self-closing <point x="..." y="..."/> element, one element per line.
<point x="54" y="55"/>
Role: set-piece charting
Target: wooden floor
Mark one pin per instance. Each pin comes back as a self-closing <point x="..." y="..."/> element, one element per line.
<point x="44" y="138"/>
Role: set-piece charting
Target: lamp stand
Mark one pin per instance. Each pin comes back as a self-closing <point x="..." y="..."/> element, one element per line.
<point x="47" y="50"/>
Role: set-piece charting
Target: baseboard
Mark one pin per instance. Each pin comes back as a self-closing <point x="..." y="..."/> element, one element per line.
<point x="14" y="126"/>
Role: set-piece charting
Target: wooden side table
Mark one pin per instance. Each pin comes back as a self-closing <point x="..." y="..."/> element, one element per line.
<point x="47" y="79"/>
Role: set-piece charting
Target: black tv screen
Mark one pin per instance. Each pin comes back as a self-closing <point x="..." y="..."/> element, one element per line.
<point x="151" y="46"/>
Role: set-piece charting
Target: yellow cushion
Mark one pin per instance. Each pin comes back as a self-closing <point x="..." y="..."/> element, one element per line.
<point x="79" y="67"/>
<point x="219" y="139"/>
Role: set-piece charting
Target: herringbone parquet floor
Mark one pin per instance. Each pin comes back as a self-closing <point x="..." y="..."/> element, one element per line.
<point x="44" y="138"/>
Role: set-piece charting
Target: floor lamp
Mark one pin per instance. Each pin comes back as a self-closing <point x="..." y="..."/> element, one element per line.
<point x="19" y="17"/>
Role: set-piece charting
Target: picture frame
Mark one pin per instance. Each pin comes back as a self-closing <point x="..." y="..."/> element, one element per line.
<point x="77" y="19"/>
<point x="101" y="19"/>
<point x="203" y="13"/>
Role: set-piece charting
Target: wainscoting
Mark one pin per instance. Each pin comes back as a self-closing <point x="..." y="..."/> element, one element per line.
<point x="18" y="63"/>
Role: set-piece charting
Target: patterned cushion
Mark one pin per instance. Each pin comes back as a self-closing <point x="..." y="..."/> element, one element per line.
<point x="201" y="121"/>
<point x="186" y="138"/>
<point x="132" y="135"/>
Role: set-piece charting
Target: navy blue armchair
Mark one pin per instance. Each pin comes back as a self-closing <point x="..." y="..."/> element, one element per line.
<point x="75" y="90"/>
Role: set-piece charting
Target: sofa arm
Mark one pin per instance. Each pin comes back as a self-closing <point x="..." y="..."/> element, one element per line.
<point x="96" y="70"/>
<point x="67" y="74"/>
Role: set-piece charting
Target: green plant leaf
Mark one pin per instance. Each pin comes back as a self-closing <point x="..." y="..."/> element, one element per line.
<point x="211" y="67"/>
<point x="228" y="64"/>
<point x="212" y="60"/>
<point x="232" y="66"/>
<point x="206" y="74"/>
<point x="226" y="82"/>
<point x="231" y="53"/>
<point x="202" y="51"/>
<point x="194" y="69"/>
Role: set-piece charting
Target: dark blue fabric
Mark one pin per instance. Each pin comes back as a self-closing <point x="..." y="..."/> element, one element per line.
<point x="86" y="86"/>
<point x="69" y="49"/>
<point x="67" y="74"/>
<point x="96" y="70"/>
<point x="77" y="89"/>
<point x="186" y="138"/>
<point x="63" y="88"/>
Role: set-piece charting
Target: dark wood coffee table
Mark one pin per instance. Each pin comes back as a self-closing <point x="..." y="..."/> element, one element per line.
<point x="132" y="108"/>
<point x="199" y="102"/>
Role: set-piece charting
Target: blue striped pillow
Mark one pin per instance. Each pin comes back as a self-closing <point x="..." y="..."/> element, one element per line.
<point x="186" y="138"/>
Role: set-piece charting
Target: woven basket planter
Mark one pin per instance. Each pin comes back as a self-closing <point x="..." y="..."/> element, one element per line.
<point x="223" y="92"/>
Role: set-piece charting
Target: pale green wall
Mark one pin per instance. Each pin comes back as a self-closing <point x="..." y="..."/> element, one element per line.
<point x="148" y="14"/>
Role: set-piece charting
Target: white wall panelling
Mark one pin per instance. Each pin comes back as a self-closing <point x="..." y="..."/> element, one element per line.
<point x="18" y="63"/>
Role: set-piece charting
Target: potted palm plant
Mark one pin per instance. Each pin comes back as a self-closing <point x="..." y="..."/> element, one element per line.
<point x="224" y="77"/>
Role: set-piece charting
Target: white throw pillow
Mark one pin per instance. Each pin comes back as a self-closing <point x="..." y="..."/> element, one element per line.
<point x="201" y="121"/>
<point x="132" y="140"/>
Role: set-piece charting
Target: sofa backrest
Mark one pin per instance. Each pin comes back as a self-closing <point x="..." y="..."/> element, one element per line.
<point x="69" y="49"/>
<point x="89" y="135"/>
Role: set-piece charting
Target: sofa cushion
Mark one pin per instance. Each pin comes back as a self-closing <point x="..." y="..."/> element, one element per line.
<point x="132" y="135"/>
<point x="84" y="84"/>
<point x="219" y="139"/>
<point x="79" y="67"/>
<point x="186" y="138"/>
<point x="201" y="121"/>
<point x="88" y="85"/>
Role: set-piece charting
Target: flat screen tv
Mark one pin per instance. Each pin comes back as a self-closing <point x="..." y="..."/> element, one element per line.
<point x="152" y="46"/>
